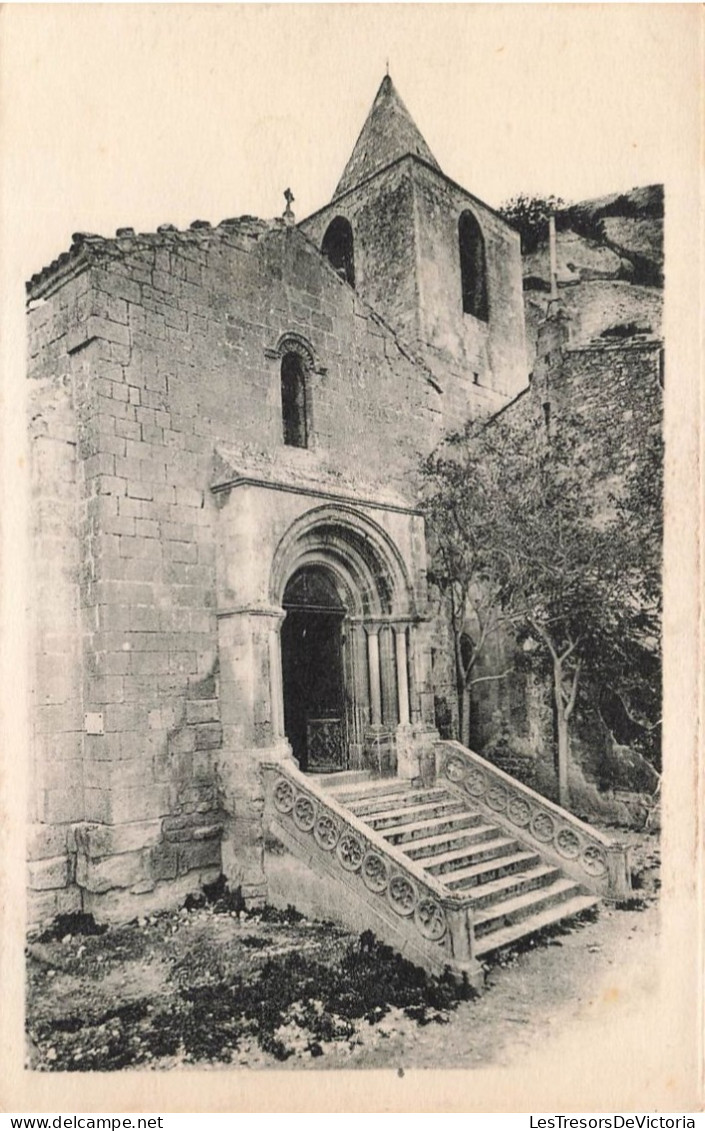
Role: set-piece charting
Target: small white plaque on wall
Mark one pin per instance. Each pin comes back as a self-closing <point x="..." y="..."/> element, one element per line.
<point x="93" y="722"/>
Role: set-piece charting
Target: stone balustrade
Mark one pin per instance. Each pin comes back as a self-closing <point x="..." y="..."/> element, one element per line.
<point x="411" y="910"/>
<point x="585" y="853"/>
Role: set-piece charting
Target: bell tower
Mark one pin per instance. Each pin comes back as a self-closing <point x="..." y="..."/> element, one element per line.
<point x="442" y="268"/>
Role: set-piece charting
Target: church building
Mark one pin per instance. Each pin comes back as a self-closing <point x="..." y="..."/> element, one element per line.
<point x="233" y="645"/>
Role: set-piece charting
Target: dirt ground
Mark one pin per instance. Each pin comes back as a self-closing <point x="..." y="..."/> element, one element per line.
<point x="217" y="986"/>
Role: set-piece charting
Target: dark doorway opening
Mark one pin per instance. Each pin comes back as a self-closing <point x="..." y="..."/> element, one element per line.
<point x="313" y="671"/>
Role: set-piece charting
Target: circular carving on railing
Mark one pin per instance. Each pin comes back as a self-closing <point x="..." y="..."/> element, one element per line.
<point x="326" y="832"/>
<point x="455" y="769"/>
<point x="568" y="843"/>
<point x="593" y="861"/>
<point x="284" y="796"/>
<point x="519" y="811"/>
<point x="497" y="797"/>
<point x="304" y="813"/>
<point x="402" y="895"/>
<point x="430" y="920"/>
<point x="374" y="872"/>
<point x="475" y="783"/>
<point x="350" y="852"/>
<point x="543" y="827"/>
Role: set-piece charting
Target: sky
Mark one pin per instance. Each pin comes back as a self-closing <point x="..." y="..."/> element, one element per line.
<point x="137" y="115"/>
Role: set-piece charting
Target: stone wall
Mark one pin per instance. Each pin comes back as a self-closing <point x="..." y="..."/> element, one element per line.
<point x="56" y="772"/>
<point x="407" y="265"/>
<point x="608" y="394"/>
<point x="594" y="306"/>
<point x="161" y="353"/>
<point x="492" y="354"/>
<point x="381" y="213"/>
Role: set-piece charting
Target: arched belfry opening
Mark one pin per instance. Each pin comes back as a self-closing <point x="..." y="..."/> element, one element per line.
<point x="338" y="248"/>
<point x="345" y="640"/>
<point x="473" y="267"/>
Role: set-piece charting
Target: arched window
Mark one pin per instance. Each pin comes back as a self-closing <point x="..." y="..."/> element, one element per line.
<point x="473" y="268"/>
<point x="294" y="396"/>
<point x="337" y="247"/>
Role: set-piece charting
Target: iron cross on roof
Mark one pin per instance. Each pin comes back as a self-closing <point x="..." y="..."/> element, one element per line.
<point x="288" y="214"/>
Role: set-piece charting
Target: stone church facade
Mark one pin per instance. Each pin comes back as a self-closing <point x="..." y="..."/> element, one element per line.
<point x="229" y="560"/>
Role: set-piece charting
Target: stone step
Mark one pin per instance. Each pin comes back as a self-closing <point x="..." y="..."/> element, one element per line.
<point x="513" y="884"/>
<point x="428" y="847"/>
<point x="346" y="793"/>
<point x="393" y="818"/>
<point x="369" y="807"/>
<point x="344" y="779"/>
<point x="495" y="940"/>
<point x="523" y="905"/>
<point x="491" y="870"/>
<point x="417" y="830"/>
<point x="462" y="858"/>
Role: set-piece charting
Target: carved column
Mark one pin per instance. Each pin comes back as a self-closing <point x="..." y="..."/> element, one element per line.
<point x="356" y="650"/>
<point x="374" y="672"/>
<point x="387" y="665"/>
<point x="402" y="674"/>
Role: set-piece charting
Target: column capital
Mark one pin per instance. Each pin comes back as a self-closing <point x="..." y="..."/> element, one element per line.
<point x="385" y="620"/>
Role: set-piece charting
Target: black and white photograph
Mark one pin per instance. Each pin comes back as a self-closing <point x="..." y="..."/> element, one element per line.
<point x="337" y="456"/>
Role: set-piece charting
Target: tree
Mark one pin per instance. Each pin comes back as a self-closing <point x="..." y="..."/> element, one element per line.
<point x="631" y="672"/>
<point x="460" y="498"/>
<point x="529" y="216"/>
<point x="522" y="520"/>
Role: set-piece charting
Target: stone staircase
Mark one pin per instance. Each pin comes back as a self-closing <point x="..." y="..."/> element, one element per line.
<point x="513" y="891"/>
<point x="446" y="869"/>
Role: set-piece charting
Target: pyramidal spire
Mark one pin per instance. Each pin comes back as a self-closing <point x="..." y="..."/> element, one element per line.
<point x="389" y="133"/>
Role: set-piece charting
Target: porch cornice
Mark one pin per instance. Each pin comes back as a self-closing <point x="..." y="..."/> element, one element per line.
<point x="245" y="480"/>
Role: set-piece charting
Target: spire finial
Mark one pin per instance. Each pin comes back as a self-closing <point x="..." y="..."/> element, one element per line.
<point x="387" y="68"/>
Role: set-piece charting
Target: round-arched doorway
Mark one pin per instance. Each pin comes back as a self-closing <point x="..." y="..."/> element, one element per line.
<point x="313" y="670"/>
<point x="345" y="677"/>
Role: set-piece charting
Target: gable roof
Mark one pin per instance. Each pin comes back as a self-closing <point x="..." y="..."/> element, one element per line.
<point x="388" y="134"/>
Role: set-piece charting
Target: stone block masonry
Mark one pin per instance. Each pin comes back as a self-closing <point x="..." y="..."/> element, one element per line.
<point x="147" y="355"/>
<point x="404" y="221"/>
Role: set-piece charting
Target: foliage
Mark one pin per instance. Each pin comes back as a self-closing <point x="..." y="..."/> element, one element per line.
<point x="629" y="689"/>
<point x="529" y="216"/>
<point x="461" y="504"/>
<point x="522" y="531"/>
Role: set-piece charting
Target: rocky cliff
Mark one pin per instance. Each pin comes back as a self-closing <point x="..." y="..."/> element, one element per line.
<point x="610" y="267"/>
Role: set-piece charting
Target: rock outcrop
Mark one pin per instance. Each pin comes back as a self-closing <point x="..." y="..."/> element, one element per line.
<point x="609" y="267"/>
